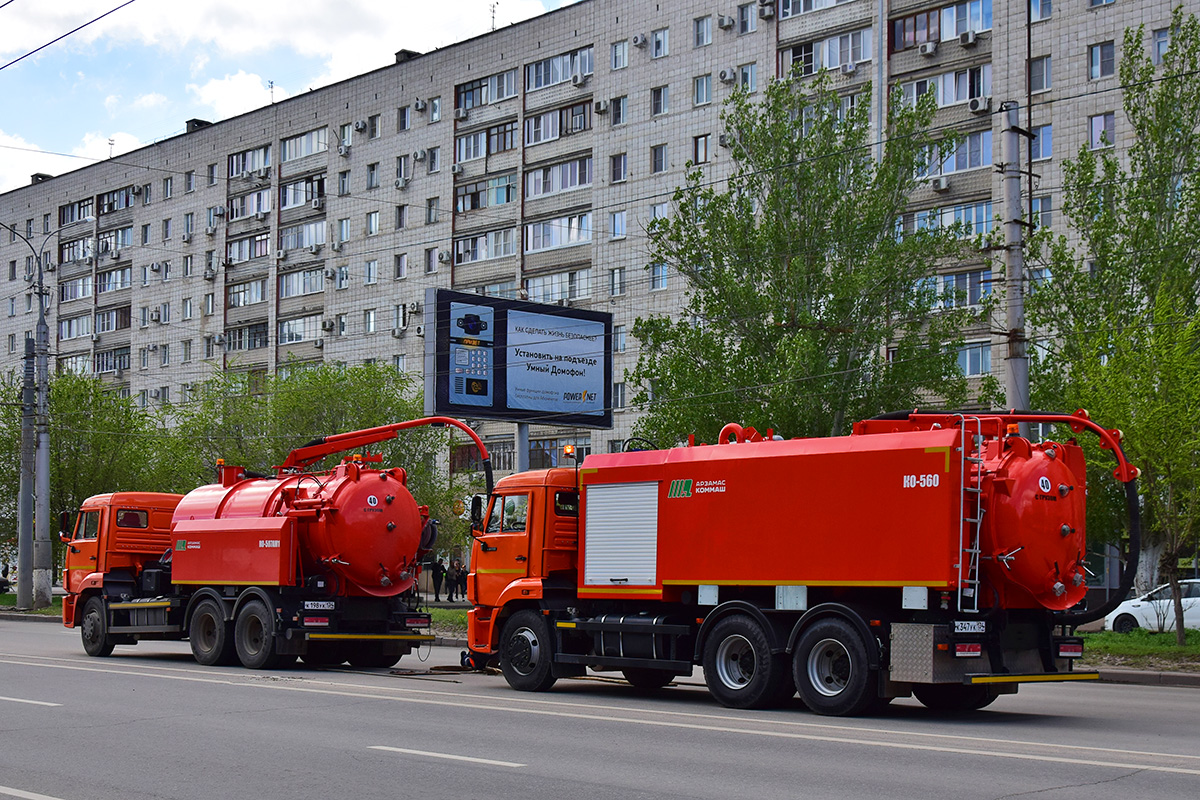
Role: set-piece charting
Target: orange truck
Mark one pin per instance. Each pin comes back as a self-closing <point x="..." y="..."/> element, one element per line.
<point x="935" y="555"/>
<point x="260" y="569"/>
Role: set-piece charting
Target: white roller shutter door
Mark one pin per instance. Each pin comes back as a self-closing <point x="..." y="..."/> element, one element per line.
<point x="621" y="535"/>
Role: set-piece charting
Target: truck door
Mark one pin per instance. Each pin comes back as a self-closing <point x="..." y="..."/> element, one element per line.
<point x="82" y="550"/>
<point x="502" y="553"/>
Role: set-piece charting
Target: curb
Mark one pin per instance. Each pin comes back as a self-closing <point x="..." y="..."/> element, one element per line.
<point x="18" y="615"/>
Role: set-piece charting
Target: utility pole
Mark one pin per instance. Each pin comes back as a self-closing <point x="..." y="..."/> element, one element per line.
<point x="1016" y="359"/>
<point x="25" y="493"/>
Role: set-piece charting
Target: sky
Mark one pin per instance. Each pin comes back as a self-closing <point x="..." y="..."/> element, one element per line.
<point x="139" y="73"/>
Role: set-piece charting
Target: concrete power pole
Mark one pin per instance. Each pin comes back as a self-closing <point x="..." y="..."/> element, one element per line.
<point x="1016" y="359"/>
<point x="25" y="493"/>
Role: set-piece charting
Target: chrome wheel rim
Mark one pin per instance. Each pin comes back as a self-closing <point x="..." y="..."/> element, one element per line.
<point x="736" y="663"/>
<point x="829" y="667"/>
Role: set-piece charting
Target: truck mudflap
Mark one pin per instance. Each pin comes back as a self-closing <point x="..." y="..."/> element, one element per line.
<point x="1031" y="677"/>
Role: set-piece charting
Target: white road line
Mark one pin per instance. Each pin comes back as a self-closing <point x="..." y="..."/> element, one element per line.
<point x="23" y="795"/>
<point x="472" y="759"/>
<point x="30" y="702"/>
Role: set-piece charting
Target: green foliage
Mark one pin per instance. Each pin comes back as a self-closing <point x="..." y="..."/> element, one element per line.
<point x="796" y="279"/>
<point x="1121" y="336"/>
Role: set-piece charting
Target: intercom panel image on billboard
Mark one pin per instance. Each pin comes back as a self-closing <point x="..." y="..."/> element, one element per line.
<point x="494" y="358"/>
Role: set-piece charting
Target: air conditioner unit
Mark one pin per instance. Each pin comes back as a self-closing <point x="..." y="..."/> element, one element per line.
<point x="156" y="266"/>
<point x="219" y="211"/>
<point x="600" y="106"/>
<point x="49" y="266"/>
<point x="155" y="393"/>
<point x="940" y="183"/>
<point x="639" y="40"/>
<point x="849" y="68"/>
<point x="927" y="48"/>
<point x="263" y="172"/>
<point x="281" y="255"/>
<point x="314" y="248"/>
<point x="95" y="337"/>
<point x="727" y="75"/>
<point x="344" y="150"/>
<point x="210" y="274"/>
<point x="210" y="231"/>
<point x="89" y="260"/>
<point x="327" y="325"/>
<point x="461" y="114"/>
<point x="420" y="330"/>
<point x="360" y="125"/>
<point x="419" y="155"/>
<point x="724" y="140"/>
<point x="414" y="307"/>
<point x="318" y="203"/>
<point x="766" y="12"/>
<point x="444" y="256"/>
<point x="980" y="105"/>
<point x="135" y="190"/>
<point x="219" y="338"/>
<point x="187" y="237"/>
<point x="419" y="104"/>
<point x="152" y="348"/>
<point x="260" y="215"/>
<point x="397" y="332"/>
<point x="401" y="183"/>
<point x="155" y="316"/>
<point x="966" y="38"/>
<point x="725" y="23"/>
<point x="456" y="169"/>
<point x="114" y="254"/>
<point x="318" y="343"/>
<point x="579" y="80"/>
<point x="246" y="175"/>
<point x="336" y="246"/>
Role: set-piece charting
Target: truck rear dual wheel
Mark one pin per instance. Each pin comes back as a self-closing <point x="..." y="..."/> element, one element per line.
<point x="831" y="670"/>
<point x="526" y="651"/>
<point x="94" y="629"/>
<point x="211" y="636"/>
<point x="740" y="669"/>
<point x="254" y="637"/>
<point x="953" y="698"/>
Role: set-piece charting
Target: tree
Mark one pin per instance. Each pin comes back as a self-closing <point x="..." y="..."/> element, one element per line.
<point x="1122" y="337"/>
<point x="806" y="308"/>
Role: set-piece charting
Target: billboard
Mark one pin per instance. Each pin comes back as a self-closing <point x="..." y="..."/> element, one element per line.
<point x="493" y="358"/>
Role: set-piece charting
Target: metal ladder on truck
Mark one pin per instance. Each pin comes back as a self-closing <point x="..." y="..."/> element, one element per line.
<point x="970" y="513"/>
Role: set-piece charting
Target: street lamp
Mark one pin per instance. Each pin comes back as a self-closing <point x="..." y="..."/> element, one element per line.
<point x="34" y="554"/>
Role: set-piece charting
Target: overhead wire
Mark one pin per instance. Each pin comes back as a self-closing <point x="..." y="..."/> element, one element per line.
<point x="65" y="35"/>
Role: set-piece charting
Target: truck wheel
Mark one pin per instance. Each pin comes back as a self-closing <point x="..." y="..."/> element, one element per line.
<point x="254" y="635"/>
<point x="953" y="698"/>
<point x="642" y="678"/>
<point x="94" y="630"/>
<point x="1125" y="624"/>
<point x="739" y="667"/>
<point x="526" y="651"/>
<point x="830" y="668"/>
<point x="210" y="635"/>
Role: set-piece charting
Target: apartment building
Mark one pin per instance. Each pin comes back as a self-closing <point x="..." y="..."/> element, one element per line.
<point x="524" y="163"/>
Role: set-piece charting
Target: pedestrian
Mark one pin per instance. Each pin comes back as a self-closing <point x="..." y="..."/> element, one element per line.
<point x="462" y="581"/>
<point x="439" y="575"/>
<point x="451" y="581"/>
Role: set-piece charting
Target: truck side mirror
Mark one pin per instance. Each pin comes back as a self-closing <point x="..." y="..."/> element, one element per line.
<point x="477" y="512"/>
<point x="64" y="523"/>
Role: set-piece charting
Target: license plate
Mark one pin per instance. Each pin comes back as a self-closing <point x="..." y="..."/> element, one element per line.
<point x="318" y="605"/>
<point x="970" y="626"/>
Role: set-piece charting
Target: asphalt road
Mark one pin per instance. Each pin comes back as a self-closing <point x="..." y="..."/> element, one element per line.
<point x="150" y="723"/>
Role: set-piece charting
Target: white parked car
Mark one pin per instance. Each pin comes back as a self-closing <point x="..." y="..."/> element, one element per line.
<point x="1156" y="610"/>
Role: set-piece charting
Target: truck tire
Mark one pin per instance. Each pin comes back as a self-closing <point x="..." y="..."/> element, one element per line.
<point x="954" y="698"/>
<point x="94" y="629"/>
<point x="526" y="652"/>
<point x="642" y="678"/>
<point x="830" y="669"/>
<point x="739" y="667"/>
<point x="254" y="636"/>
<point x="1125" y="624"/>
<point x="211" y="636"/>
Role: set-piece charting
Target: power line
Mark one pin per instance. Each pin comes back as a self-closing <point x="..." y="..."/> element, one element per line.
<point x="65" y="35"/>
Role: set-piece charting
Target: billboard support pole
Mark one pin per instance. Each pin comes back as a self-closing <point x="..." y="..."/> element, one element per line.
<point x="522" y="446"/>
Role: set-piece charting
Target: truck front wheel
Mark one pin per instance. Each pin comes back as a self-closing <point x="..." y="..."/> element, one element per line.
<point x="526" y="652"/>
<point x="210" y="635"/>
<point x="94" y="630"/>
<point x="740" y="669"/>
<point x="254" y="636"/>
<point x="830" y="668"/>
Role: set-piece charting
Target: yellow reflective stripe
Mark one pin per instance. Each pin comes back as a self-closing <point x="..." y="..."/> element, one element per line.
<point x="500" y="572"/>
<point x="163" y="604"/>
<point x="566" y="624"/>
<point x="945" y="450"/>
<point x="620" y="590"/>
<point x="1066" y="676"/>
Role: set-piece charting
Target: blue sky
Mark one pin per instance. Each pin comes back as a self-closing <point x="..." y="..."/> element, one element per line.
<point x="138" y="74"/>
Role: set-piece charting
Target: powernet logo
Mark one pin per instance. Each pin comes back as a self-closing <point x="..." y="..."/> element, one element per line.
<point x="680" y="488"/>
<point x="579" y="397"/>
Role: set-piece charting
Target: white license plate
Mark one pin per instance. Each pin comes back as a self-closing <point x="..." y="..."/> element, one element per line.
<point x="970" y="626"/>
<point x="318" y="605"/>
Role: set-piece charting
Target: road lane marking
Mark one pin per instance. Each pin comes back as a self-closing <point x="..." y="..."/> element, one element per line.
<point x="470" y="702"/>
<point x="31" y="702"/>
<point x="428" y="754"/>
<point x="23" y="795"/>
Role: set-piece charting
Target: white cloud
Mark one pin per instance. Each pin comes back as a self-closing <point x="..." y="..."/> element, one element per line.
<point x="198" y="64"/>
<point x="19" y="158"/>
<point x="152" y="100"/>
<point x="111" y="102"/>
<point x="234" y="94"/>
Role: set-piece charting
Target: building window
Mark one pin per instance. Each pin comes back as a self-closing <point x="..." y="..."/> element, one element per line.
<point x="616" y="281"/>
<point x="700" y="148"/>
<point x="1042" y="212"/>
<point x="371" y="272"/>
<point x="400" y="266"/>
<point x="1095" y="3"/>
<point x="748" y="77"/>
<point x="620" y="54"/>
<point x="403" y="118"/>
<point x="212" y="173"/>
<point x="369" y="321"/>
<point x="560" y="232"/>
<point x="431" y="210"/>
<point x="431" y="260"/>
<point x="975" y="359"/>
<point x="343" y="229"/>
<point x="658" y="277"/>
<point x="659" y="210"/>
<point x="1040" y="10"/>
<point x="702" y="90"/>
<point x="1039" y="74"/>
<point x="435" y="109"/>
<point x="373" y="126"/>
<point x="1102" y="130"/>
<point x="658" y="158"/>
<point x="618" y="167"/>
<point x="1160" y="41"/>
<point x="702" y="29"/>
<point x="1102" y="59"/>
<point x="373" y="176"/>
<point x="372" y="223"/>
<point x="973" y="15"/>
<point x="966" y="288"/>
<point x="1042" y="144"/>
<point x="618" y="396"/>
<point x="434" y="159"/>
<point x="616" y="225"/>
<point x="344" y="183"/>
<point x="620" y="110"/>
<point x="618" y="340"/>
<point x="747" y="16"/>
<point x="401" y="217"/>
<point x="558" y="69"/>
<point x="660" y="44"/>
<point x="914" y="30"/>
<point x="660" y="100"/>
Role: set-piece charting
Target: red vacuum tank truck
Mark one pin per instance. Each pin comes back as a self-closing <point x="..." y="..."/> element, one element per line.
<point x="260" y="569"/>
<point x="927" y="554"/>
